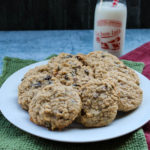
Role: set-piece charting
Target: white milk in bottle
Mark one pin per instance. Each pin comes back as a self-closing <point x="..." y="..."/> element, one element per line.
<point x="110" y="26"/>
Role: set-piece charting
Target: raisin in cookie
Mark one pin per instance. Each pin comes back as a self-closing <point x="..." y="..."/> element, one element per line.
<point x="30" y="86"/>
<point x="130" y="92"/>
<point x="55" y="106"/>
<point x="99" y="103"/>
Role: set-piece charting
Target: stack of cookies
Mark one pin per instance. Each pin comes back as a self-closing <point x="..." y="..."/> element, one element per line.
<point x="89" y="89"/>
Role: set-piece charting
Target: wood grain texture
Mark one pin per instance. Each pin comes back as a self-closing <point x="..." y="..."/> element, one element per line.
<point x="61" y="14"/>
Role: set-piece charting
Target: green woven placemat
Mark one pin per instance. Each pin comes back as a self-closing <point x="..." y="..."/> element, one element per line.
<point x="12" y="138"/>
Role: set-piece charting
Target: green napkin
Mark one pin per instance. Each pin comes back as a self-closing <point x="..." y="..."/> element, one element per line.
<point x="12" y="138"/>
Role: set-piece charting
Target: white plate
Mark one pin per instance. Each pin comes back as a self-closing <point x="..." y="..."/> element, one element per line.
<point x="123" y="124"/>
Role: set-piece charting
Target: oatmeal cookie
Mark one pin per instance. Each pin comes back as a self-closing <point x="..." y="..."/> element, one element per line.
<point x="99" y="103"/>
<point x="30" y="86"/>
<point x="55" y="106"/>
<point x="71" y="69"/>
<point x="130" y="93"/>
<point x="65" y="60"/>
<point x="103" y="63"/>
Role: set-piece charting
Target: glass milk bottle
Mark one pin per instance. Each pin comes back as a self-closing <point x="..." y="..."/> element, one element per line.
<point x="110" y="26"/>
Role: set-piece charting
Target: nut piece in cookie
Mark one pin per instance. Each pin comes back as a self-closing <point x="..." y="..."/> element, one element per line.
<point x="30" y="87"/>
<point x="55" y="106"/>
<point x="99" y="103"/>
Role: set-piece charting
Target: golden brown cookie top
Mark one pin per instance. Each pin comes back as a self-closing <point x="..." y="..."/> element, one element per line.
<point x="55" y="106"/>
<point x="130" y="93"/>
<point x="99" y="103"/>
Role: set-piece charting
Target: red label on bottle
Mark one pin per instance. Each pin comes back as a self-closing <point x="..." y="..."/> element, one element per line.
<point x="109" y="36"/>
<point x="112" y="23"/>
